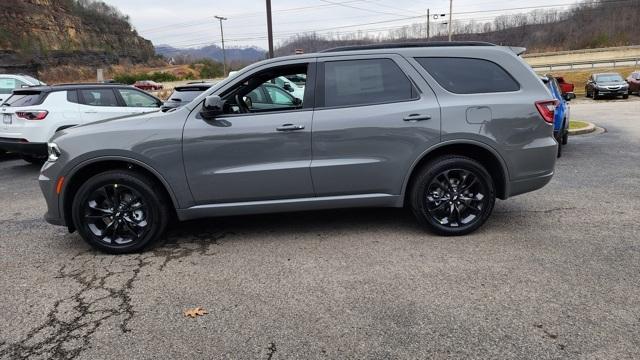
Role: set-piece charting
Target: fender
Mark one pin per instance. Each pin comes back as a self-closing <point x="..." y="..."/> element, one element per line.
<point x="431" y="149"/>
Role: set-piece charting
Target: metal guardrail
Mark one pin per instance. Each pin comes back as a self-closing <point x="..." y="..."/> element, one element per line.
<point x="631" y="61"/>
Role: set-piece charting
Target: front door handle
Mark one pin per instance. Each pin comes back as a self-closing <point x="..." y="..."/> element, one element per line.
<point x="290" y="127"/>
<point x="417" y="117"/>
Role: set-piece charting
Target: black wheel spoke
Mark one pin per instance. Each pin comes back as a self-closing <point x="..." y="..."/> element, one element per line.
<point x="455" y="197"/>
<point x="116" y="214"/>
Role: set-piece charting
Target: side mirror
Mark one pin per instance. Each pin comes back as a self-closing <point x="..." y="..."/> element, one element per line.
<point x="297" y="102"/>
<point x="247" y="100"/>
<point x="569" y="96"/>
<point x="287" y="87"/>
<point x="213" y="106"/>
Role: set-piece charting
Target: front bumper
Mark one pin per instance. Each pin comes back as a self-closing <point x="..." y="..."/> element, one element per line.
<point x="23" y="147"/>
<point x="48" y="182"/>
<point x="613" y="92"/>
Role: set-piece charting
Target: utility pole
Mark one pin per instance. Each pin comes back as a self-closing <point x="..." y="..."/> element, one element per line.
<point x="450" y="17"/>
<point x="269" y="29"/>
<point x="224" y="53"/>
<point x="428" y="23"/>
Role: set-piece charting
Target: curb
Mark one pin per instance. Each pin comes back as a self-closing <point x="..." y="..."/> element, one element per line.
<point x="585" y="130"/>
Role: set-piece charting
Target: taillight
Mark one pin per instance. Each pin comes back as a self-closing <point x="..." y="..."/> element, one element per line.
<point x="32" y="115"/>
<point x="547" y="108"/>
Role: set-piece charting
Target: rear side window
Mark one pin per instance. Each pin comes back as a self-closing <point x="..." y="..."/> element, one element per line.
<point x="469" y="76"/>
<point x="72" y="96"/>
<point x="98" y="97"/>
<point x="362" y="82"/>
<point x="25" y="98"/>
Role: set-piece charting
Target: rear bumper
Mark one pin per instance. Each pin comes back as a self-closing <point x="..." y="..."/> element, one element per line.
<point x="23" y="147"/>
<point x="526" y="185"/>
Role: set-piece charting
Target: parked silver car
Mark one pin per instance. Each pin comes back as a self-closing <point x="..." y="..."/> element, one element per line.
<point x="442" y="128"/>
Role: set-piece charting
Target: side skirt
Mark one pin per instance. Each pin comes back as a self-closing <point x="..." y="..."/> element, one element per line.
<point x="289" y="205"/>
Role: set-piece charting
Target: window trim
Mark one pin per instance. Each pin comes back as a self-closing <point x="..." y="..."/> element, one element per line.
<point x="416" y="93"/>
<point x="470" y="58"/>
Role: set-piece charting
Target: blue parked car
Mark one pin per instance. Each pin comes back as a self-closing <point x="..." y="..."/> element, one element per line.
<point x="561" y="115"/>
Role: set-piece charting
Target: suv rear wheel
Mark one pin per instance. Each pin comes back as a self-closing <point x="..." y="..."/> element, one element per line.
<point x="452" y="195"/>
<point x="120" y="211"/>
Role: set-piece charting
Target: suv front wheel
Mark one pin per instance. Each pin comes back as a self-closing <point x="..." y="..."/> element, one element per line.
<point x="120" y="211"/>
<point x="452" y="195"/>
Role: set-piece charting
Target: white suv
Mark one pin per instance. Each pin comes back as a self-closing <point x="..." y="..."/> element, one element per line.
<point x="10" y="82"/>
<point x="32" y="115"/>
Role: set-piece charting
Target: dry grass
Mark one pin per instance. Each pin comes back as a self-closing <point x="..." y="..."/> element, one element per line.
<point x="579" y="77"/>
<point x="73" y="74"/>
<point x="576" y="124"/>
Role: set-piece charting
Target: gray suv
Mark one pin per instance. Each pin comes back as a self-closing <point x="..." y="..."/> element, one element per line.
<point x="441" y="128"/>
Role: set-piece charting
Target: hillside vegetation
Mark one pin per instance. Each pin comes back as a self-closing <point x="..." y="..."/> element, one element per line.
<point x="590" y="24"/>
<point x="64" y="32"/>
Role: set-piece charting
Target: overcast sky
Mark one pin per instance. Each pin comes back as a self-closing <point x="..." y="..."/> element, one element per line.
<point x="190" y="23"/>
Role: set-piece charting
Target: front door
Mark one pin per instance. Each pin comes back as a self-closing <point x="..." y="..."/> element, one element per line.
<point x="250" y="154"/>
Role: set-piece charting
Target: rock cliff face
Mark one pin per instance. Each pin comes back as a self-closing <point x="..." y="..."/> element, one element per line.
<point x="44" y="33"/>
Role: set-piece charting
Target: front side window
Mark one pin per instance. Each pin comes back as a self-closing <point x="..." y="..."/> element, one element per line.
<point x="279" y="96"/>
<point x="468" y="75"/>
<point x="134" y="98"/>
<point x="98" y="97"/>
<point x="363" y="82"/>
<point x="261" y="92"/>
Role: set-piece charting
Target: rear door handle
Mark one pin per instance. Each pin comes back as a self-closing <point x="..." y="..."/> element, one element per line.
<point x="290" y="127"/>
<point x="417" y="117"/>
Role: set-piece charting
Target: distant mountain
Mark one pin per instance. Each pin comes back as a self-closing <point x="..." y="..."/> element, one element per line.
<point x="242" y="55"/>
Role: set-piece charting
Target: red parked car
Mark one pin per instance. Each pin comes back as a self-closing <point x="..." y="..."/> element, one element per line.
<point x="634" y="83"/>
<point x="565" y="87"/>
<point x="147" y="85"/>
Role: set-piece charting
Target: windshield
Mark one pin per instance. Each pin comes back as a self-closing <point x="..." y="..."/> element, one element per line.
<point x="24" y="99"/>
<point x="185" y="95"/>
<point x="609" y="78"/>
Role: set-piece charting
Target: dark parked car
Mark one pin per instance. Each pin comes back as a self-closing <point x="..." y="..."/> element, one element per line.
<point x="183" y="95"/>
<point x="606" y="84"/>
<point x="440" y="128"/>
<point x="634" y="82"/>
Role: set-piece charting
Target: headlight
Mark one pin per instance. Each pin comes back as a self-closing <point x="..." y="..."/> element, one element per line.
<point x="54" y="151"/>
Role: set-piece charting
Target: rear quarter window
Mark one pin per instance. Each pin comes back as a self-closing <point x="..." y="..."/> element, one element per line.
<point x="469" y="75"/>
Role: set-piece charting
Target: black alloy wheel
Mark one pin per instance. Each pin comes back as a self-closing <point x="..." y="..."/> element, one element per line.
<point x="120" y="211"/>
<point x="454" y="196"/>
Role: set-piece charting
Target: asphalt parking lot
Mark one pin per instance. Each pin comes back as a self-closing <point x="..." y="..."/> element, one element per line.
<point x="553" y="274"/>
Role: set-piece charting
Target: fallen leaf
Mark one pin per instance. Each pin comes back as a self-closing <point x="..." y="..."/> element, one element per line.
<point x="195" y="312"/>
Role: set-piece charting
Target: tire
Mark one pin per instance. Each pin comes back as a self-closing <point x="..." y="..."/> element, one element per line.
<point x="595" y="95"/>
<point x="565" y="137"/>
<point x="586" y="93"/>
<point x="120" y="211"/>
<point x="625" y="96"/>
<point x="35" y="160"/>
<point x="428" y="191"/>
<point x="559" y="154"/>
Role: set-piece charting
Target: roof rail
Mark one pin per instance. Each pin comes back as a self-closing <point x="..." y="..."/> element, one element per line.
<point x="407" y="45"/>
<point x="87" y="84"/>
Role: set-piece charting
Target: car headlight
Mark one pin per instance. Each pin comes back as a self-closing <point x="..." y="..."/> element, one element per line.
<point x="54" y="151"/>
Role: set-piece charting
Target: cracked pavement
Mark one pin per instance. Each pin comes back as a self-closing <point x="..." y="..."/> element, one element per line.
<point x="553" y="274"/>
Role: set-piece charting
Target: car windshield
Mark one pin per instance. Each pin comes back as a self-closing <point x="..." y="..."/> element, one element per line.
<point x="185" y="95"/>
<point x="23" y="99"/>
<point x="609" y="77"/>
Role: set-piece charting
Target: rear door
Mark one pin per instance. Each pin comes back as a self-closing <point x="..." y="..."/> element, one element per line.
<point x="371" y="122"/>
<point x="99" y="104"/>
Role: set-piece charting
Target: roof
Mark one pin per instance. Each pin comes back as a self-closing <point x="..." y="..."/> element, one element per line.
<point x="408" y="45"/>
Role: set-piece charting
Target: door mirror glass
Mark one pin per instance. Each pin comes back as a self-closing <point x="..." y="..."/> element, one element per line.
<point x="569" y="96"/>
<point x="213" y="106"/>
<point x="287" y="87"/>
